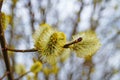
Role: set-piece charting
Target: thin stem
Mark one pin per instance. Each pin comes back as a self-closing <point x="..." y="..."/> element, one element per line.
<point x="22" y="75"/>
<point x="3" y="45"/>
<point x="34" y="50"/>
<point x="16" y="50"/>
<point x="6" y="73"/>
<point x="75" y="26"/>
<point x="32" y="20"/>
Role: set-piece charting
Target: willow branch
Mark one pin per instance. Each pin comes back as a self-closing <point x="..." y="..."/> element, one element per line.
<point x="22" y="75"/>
<point x="34" y="50"/>
<point x="78" y="18"/>
<point x="3" y="45"/>
<point x="6" y="73"/>
<point x="17" y="50"/>
<point x="32" y="20"/>
<point x="1" y="1"/>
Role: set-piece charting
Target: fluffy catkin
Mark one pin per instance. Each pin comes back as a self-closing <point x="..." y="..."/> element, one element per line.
<point x="89" y="44"/>
<point x="49" y="43"/>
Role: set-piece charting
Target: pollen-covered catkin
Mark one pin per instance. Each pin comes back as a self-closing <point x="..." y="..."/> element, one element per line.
<point x="49" y="43"/>
<point x="54" y="47"/>
<point x="88" y="46"/>
<point x="41" y="37"/>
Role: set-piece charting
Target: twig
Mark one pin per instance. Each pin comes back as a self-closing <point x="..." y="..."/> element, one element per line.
<point x="16" y="50"/>
<point x="3" y="44"/>
<point x="1" y="1"/>
<point x="6" y="73"/>
<point x="95" y="23"/>
<point x="34" y="50"/>
<point x="43" y="12"/>
<point x="73" y="42"/>
<point x="78" y="18"/>
<point x="22" y="75"/>
<point x="32" y="20"/>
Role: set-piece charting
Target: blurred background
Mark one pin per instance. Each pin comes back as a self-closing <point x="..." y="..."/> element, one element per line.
<point x="70" y="17"/>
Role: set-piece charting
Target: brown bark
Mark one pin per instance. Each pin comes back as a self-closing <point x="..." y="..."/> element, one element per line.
<point x="3" y="46"/>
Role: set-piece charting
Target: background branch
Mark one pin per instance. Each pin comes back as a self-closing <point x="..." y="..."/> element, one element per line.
<point x="32" y="20"/>
<point x="3" y="45"/>
<point x="6" y="73"/>
<point x="22" y="75"/>
<point x="78" y="19"/>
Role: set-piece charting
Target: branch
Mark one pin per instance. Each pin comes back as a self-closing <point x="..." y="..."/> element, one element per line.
<point x="78" y="19"/>
<point x="32" y="20"/>
<point x="1" y="1"/>
<point x="3" y="44"/>
<point x="34" y="50"/>
<point x="6" y="73"/>
<point x="16" y="50"/>
<point x="22" y="75"/>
